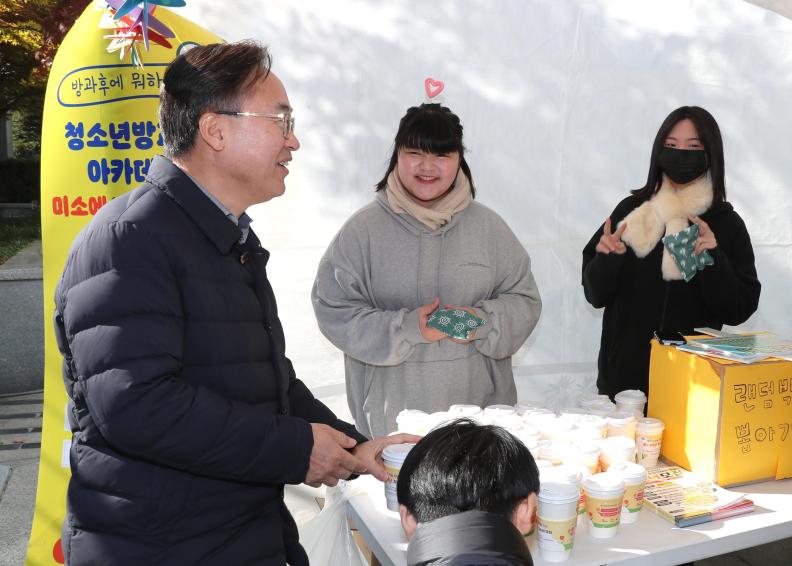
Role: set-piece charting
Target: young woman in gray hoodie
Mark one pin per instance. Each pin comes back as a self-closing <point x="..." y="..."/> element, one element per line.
<point x="421" y="244"/>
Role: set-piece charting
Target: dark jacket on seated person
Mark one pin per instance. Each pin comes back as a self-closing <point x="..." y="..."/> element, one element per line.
<point x="470" y="538"/>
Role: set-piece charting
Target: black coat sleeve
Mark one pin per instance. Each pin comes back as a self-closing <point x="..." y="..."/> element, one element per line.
<point x="730" y="287"/>
<point x="601" y="271"/>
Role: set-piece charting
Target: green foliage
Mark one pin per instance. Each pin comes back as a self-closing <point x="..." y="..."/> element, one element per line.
<point x="15" y="234"/>
<point x="21" y="180"/>
<point x="26" y="124"/>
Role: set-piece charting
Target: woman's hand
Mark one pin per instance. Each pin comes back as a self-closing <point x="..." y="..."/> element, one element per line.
<point x="611" y="242"/>
<point x="471" y="335"/>
<point x="706" y="239"/>
<point x="429" y="333"/>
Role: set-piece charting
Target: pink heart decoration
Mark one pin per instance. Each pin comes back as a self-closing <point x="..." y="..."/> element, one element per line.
<point x="433" y="87"/>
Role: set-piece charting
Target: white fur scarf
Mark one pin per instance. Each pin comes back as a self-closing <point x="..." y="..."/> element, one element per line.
<point x="666" y="213"/>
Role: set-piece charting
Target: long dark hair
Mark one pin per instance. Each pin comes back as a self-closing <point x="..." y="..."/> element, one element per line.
<point x="431" y="128"/>
<point x="710" y="136"/>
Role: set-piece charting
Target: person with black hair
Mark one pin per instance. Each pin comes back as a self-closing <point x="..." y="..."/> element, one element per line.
<point x="467" y="495"/>
<point x="628" y="271"/>
<point x="424" y="242"/>
<point x="187" y="417"/>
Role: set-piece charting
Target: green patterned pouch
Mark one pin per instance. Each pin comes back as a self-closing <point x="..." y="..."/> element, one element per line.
<point x="681" y="246"/>
<point x="456" y="323"/>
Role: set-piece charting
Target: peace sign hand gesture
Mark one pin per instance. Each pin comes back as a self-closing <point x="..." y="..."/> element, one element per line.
<point x="610" y="242"/>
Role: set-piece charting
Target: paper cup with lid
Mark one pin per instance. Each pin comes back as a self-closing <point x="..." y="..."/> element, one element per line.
<point x="634" y="478"/>
<point x="494" y="411"/>
<point x="631" y="400"/>
<point x="555" y="428"/>
<point x="601" y="408"/>
<point x="583" y="455"/>
<point x="556" y="520"/>
<point x="648" y="441"/>
<point x="553" y="450"/>
<point x="412" y="421"/>
<point x="621" y="423"/>
<point x="616" y="449"/>
<point x="464" y="410"/>
<point x="588" y="399"/>
<point x="393" y="457"/>
<point x="604" y="494"/>
<point x="566" y="474"/>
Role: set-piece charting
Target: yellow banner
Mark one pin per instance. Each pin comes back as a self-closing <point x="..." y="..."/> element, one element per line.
<point x="100" y="133"/>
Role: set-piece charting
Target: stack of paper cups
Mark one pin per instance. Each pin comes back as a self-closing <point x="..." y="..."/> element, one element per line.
<point x="393" y="457"/>
<point x="648" y="440"/>
<point x="604" y="494"/>
<point x="621" y="423"/>
<point x="632" y="400"/>
<point x="557" y="520"/>
<point x="616" y="449"/>
<point x="634" y="478"/>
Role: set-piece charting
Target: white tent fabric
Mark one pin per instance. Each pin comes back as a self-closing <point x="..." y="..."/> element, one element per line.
<point x="560" y="102"/>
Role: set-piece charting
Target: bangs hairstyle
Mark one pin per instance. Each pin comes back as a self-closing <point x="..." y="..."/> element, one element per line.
<point x="204" y="79"/>
<point x="431" y="128"/>
<point x="710" y="136"/>
<point x="465" y="466"/>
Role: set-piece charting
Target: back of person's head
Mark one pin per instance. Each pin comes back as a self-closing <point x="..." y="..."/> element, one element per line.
<point x="465" y="466"/>
<point x="432" y="128"/>
<point x="207" y="78"/>
<point x="710" y="136"/>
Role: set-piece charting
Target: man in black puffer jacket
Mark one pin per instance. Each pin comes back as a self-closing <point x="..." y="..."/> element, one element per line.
<point x="186" y="415"/>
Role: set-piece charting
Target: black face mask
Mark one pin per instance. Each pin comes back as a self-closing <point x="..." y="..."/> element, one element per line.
<point x="682" y="165"/>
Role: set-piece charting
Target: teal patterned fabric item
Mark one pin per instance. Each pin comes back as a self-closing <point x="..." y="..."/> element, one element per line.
<point x="456" y="323"/>
<point x="681" y="246"/>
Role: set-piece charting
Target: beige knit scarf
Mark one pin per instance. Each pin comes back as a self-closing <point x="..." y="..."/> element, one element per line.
<point x="436" y="214"/>
<point x="664" y="214"/>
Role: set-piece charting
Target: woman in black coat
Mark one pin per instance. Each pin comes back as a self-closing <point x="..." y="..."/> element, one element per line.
<point x="628" y="271"/>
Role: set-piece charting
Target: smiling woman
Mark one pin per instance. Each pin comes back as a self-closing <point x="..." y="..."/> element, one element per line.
<point x="423" y="242"/>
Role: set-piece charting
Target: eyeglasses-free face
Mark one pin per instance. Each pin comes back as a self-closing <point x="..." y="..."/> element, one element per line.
<point x="285" y="118"/>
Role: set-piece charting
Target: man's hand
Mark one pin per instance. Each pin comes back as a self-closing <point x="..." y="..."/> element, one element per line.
<point x="370" y="453"/>
<point x="611" y="242"/>
<point x="330" y="459"/>
<point x="429" y="333"/>
<point x="706" y="239"/>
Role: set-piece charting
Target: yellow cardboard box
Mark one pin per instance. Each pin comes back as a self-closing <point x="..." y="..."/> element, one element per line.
<point x="727" y="421"/>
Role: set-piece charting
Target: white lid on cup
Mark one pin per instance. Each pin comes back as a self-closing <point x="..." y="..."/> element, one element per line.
<point x="588" y="399"/>
<point x="630" y="473"/>
<point x="497" y="410"/>
<point x="412" y="421"/>
<point x="511" y="421"/>
<point x="541" y="464"/>
<point x="648" y="424"/>
<point x="601" y="408"/>
<point x="558" y="492"/>
<point x="620" y="418"/>
<point x="604" y="485"/>
<point x="632" y="396"/>
<point x="564" y="474"/>
<point x="553" y="449"/>
<point x="464" y="410"/>
<point x="616" y="444"/>
<point x="522" y="408"/>
<point x="396" y="453"/>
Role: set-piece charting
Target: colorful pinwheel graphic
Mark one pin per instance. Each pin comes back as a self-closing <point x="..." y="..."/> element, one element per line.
<point x="133" y="21"/>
